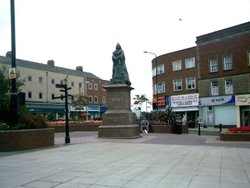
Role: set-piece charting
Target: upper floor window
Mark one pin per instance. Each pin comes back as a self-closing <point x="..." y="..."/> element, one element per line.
<point x="80" y="85"/>
<point x="213" y="64"/>
<point x="159" y="88"/>
<point x="189" y="63"/>
<point x="29" y="78"/>
<point x="90" y="99"/>
<point x="40" y="95"/>
<point x="158" y="70"/>
<point x="95" y="99"/>
<point x="227" y="62"/>
<point x="90" y="86"/>
<point x="190" y="83"/>
<point x="95" y="86"/>
<point x="177" y="85"/>
<point x="214" y="87"/>
<point x="228" y="86"/>
<point x="29" y="94"/>
<point x="62" y="82"/>
<point x="176" y="65"/>
<point x="52" y="81"/>
<point x="40" y="79"/>
<point x="103" y="100"/>
<point x="72" y="84"/>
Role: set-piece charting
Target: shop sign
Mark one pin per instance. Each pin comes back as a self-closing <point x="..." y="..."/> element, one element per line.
<point x="220" y="100"/>
<point x="242" y="100"/>
<point x="185" y="100"/>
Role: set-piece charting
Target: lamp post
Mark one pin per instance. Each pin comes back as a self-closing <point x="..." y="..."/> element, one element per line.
<point x="13" y="100"/>
<point x="156" y="74"/>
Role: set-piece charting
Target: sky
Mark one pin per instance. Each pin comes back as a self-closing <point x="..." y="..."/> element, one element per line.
<point x="85" y="32"/>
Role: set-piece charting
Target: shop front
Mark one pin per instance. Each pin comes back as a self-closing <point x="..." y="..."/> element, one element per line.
<point x="242" y="103"/>
<point x="186" y="106"/>
<point x="218" y="110"/>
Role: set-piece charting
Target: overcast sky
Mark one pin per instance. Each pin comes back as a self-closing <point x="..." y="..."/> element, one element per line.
<point x="85" y="32"/>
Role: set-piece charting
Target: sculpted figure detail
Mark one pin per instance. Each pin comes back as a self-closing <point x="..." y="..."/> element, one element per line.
<point x="120" y="73"/>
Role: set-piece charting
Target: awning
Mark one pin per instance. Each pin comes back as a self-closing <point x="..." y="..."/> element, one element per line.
<point x="46" y="108"/>
<point x="195" y="108"/>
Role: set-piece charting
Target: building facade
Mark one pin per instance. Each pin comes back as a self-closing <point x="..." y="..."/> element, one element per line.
<point x="175" y="83"/>
<point x="224" y="75"/>
<point x="40" y="87"/>
<point x="210" y="81"/>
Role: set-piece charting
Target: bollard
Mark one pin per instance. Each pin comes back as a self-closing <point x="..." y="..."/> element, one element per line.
<point x="220" y="127"/>
<point x="199" y="128"/>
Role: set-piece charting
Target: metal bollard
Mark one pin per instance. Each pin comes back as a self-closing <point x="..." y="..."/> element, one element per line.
<point x="199" y="128"/>
<point x="220" y="127"/>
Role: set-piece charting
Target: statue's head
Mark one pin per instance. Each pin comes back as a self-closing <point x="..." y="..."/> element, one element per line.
<point x="118" y="46"/>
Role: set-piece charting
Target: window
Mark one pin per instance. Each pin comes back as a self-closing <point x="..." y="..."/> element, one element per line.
<point x="52" y="81"/>
<point x="213" y="64"/>
<point x="159" y="88"/>
<point x="40" y="79"/>
<point x="177" y="85"/>
<point x="40" y="95"/>
<point x="228" y="86"/>
<point x="103" y="100"/>
<point x="29" y="94"/>
<point x="72" y="84"/>
<point x="214" y="88"/>
<point x="176" y="65"/>
<point x="190" y="83"/>
<point x="62" y="82"/>
<point x="95" y="99"/>
<point x="95" y="86"/>
<point x="90" y="99"/>
<point x="52" y="96"/>
<point x="227" y="62"/>
<point x="160" y="70"/>
<point x="189" y="63"/>
<point x="80" y="85"/>
<point x="29" y="78"/>
<point x="90" y="86"/>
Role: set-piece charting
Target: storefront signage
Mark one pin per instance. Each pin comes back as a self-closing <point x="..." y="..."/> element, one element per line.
<point x="242" y="100"/>
<point x="220" y="100"/>
<point x="185" y="100"/>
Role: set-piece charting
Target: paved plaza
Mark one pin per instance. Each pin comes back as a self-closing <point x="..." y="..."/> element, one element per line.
<point x="154" y="160"/>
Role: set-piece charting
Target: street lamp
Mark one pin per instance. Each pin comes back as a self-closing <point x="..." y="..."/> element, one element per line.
<point x="156" y="74"/>
<point x="13" y="99"/>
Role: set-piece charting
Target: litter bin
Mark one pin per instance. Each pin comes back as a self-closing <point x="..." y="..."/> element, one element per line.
<point x="177" y="129"/>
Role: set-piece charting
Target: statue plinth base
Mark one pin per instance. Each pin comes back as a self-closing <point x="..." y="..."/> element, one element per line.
<point x="118" y="121"/>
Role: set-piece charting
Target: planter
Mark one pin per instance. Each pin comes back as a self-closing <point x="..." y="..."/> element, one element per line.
<point x="14" y="140"/>
<point x="87" y="127"/>
<point x="167" y="129"/>
<point x="234" y="137"/>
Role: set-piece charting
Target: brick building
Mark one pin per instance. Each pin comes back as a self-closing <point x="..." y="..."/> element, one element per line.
<point x="175" y="84"/>
<point x="39" y="87"/>
<point x="224" y="75"/>
<point x="212" y="78"/>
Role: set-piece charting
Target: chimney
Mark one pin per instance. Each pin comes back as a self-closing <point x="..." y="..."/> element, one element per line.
<point x="79" y="68"/>
<point x="51" y="63"/>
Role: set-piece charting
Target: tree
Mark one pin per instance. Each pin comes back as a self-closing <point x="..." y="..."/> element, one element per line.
<point x="140" y="99"/>
<point x="5" y="88"/>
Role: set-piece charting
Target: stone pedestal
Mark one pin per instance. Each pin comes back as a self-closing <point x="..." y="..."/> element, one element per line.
<point x="118" y="121"/>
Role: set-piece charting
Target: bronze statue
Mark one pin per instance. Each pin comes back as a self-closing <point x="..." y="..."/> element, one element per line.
<point x="120" y="73"/>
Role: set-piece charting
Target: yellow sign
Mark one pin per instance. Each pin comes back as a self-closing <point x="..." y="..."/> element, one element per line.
<point x="12" y="73"/>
